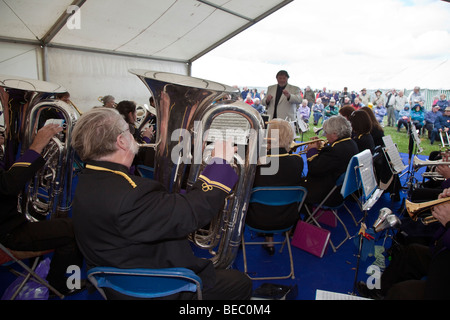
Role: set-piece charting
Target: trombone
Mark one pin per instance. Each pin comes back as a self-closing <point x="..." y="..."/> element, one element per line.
<point x="417" y="163"/>
<point x="414" y="209"/>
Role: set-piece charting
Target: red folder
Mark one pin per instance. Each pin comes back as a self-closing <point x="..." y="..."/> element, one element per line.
<point x="311" y="239"/>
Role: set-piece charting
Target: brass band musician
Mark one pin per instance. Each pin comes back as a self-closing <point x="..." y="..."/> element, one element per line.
<point x="289" y="173"/>
<point x="417" y="271"/>
<point x="18" y="233"/>
<point x="145" y="156"/>
<point x="326" y="164"/>
<point x="127" y="221"/>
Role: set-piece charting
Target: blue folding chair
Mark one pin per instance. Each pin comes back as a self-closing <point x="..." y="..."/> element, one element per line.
<point x="145" y="283"/>
<point x="274" y="196"/>
<point x="349" y="182"/>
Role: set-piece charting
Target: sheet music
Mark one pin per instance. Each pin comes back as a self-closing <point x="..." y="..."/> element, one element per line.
<point x="329" y="295"/>
<point x="229" y="125"/>
<point x="393" y="154"/>
<point x="366" y="170"/>
<point x="360" y="174"/>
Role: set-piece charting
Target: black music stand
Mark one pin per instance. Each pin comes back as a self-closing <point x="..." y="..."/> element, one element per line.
<point x="395" y="162"/>
<point x="414" y="148"/>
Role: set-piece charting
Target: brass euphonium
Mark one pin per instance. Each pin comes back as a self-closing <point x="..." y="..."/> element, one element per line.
<point x="414" y="209"/>
<point x="29" y="104"/>
<point x="186" y="109"/>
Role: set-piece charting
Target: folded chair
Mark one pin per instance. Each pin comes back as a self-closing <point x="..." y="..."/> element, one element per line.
<point x="145" y="283"/>
<point x="274" y="196"/>
<point x="9" y="257"/>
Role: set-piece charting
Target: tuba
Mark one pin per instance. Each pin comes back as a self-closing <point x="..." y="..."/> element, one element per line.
<point x="189" y="110"/>
<point x="28" y="104"/>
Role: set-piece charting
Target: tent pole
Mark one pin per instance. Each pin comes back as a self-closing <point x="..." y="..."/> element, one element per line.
<point x="45" y="62"/>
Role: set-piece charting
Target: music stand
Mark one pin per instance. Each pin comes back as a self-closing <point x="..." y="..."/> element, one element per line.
<point x="392" y="155"/>
<point x="301" y="124"/>
<point x="413" y="148"/>
<point x="364" y="178"/>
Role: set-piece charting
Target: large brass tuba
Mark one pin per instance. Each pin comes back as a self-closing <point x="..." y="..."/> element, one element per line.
<point x="186" y="109"/>
<point x="28" y="104"/>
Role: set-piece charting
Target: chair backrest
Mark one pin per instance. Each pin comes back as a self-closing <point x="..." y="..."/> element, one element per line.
<point x="278" y="195"/>
<point x="145" y="283"/>
<point x="145" y="171"/>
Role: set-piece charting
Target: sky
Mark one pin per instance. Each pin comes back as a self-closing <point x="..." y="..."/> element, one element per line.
<point x="339" y="43"/>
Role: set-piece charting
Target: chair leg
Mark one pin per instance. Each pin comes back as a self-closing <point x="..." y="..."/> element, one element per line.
<point x="25" y="279"/>
<point x="291" y="260"/>
<point x="351" y="214"/>
<point x="32" y="273"/>
<point x="292" y="274"/>
<point x="312" y="218"/>
<point x="345" y="229"/>
<point x="244" y="253"/>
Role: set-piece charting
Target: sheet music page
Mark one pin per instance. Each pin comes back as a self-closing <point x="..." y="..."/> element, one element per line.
<point x="393" y="154"/>
<point x="328" y="295"/>
<point x="415" y="134"/>
<point x="366" y="170"/>
<point x="229" y="125"/>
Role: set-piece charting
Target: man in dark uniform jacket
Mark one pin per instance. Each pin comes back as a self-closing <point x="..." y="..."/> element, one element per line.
<point x="18" y="233"/>
<point x="327" y="164"/>
<point x="127" y="221"/>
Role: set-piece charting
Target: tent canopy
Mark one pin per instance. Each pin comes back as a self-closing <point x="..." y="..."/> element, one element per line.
<point x="88" y="46"/>
<point x="172" y="30"/>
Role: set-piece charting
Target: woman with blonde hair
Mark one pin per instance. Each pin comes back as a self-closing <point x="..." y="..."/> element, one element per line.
<point x="289" y="173"/>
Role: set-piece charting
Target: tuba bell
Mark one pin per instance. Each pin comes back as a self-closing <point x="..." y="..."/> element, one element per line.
<point x="28" y="104"/>
<point x="188" y="110"/>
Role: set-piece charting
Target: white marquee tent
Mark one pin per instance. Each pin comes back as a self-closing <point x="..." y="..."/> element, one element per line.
<point x="88" y="46"/>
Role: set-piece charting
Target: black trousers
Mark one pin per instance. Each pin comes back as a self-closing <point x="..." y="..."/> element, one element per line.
<point x="44" y="235"/>
<point x="414" y="274"/>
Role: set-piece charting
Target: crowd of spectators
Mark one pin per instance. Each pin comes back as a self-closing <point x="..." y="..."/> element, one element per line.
<point x="392" y="107"/>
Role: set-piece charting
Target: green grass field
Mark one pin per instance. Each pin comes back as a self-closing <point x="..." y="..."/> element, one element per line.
<point x="399" y="138"/>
